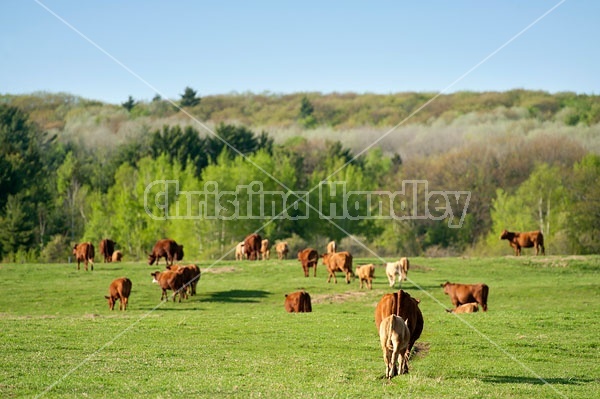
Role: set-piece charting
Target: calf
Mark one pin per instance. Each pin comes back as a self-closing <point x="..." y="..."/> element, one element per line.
<point x="119" y="290"/>
<point x="399" y="268"/>
<point x="466" y="293"/>
<point x="331" y="247"/>
<point x="84" y="252"/>
<point x="252" y="245"/>
<point x="394" y="336"/>
<point x="339" y="261"/>
<point x="239" y="251"/>
<point x="366" y="274"/>
<point x="466" y="308"/>
<point x="298" y="302"/>
<point x="529" y="239"/>
<point x="265" y="249"/>
<point x="401" y="304"/>
<point x="191" y="275"/>
<point x="282" y="250"/>
<point x="117" y="256"/>
<point x="170" y="280"/>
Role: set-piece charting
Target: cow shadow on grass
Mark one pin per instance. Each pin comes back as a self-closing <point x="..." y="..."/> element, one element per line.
<point x="236" y="296"/>
<point x="509" y="379"/>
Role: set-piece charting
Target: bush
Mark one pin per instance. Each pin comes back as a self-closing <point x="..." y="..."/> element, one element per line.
<point x="58" y="250"/>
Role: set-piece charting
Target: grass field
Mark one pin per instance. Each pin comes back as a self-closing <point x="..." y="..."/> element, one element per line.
<point x="539" y="339"/>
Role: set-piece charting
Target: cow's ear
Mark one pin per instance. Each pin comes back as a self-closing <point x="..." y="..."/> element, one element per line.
<point x="107" y="297"/>
<point x="286" y="295"/>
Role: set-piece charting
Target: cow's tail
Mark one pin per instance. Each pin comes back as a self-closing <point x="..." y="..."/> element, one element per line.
<point x="389" y="343"/>
<point x="484" y="296"/>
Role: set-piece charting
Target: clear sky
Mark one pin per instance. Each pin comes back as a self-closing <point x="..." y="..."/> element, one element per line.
<point x="220" y="47"/>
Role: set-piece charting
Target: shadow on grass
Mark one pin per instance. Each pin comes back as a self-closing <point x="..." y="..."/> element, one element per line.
<point x="236" y="296"/>
<point x="508" y="379"/>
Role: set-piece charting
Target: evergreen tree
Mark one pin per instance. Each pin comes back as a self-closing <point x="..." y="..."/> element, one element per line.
<point x="188" y="98"/>
<point x="129" y="104"/>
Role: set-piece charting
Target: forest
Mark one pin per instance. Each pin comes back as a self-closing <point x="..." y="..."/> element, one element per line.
<point x="74" y="169"/>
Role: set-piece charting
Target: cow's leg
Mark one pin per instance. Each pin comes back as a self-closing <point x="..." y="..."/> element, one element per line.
<point x="404" y="361"/>
<point x="387" y="359"/>
<point x="92" y="264"/>
<point x="315" y="273"/>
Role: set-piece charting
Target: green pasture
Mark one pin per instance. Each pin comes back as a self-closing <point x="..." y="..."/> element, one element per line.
<point x="539" y="339"/>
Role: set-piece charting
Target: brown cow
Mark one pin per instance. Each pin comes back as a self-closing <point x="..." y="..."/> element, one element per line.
<point x="331" y="247"/>
<point x="339" y="261"/>
<point x="170" y="280"/>
<point x="117" y="256"/>
<point x="191" y="275"/>
<point x="529" y="239"/>
<point x="265" y="249"/>
<point x="119" y="290"/>
<point x="366" y="274"/>
<point x="107" y="247"/>
<point x="309" y="257"/>
<point x="394" y="337"/>
<point x="84" y="252"/>
<point x="252" y="245"/>
<point x="466" y="308"/>
<point x="165" y="248"/>
<point x="282" y="250"/>
<point x="466" y="293"/>
<point x="298" y="302"/>
<point x="407" y="308"/>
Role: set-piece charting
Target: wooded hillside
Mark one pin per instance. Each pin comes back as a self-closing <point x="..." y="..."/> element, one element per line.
<point x="74" y="169"/>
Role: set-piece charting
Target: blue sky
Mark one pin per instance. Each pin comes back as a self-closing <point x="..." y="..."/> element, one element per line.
<point x="283" y="46"/>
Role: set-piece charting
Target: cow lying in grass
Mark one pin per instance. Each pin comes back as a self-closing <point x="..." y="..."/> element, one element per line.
<point x="466" y="308"/>
<point x="298" y="302"/>
<point x="394" y="336"/>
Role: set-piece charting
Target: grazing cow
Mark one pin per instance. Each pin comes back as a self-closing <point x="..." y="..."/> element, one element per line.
<point x="265" y="249"/>
<point x="331" y="247"/>
<point x="394" y="337"/>
<point x="119" y="290"/>
<point x="466" y="308"/>
<point x="165" y="248"/>
<point x="401" y="304"/>
<point x="170" y="280"/>
<point x="117" y="256"/>
<point x="298" y="302"/>
<point x="529" y="239"/>
<point x="252" y="245"/>
<point x="309" y="258"/>
<point x="84" y="252"/>
<point x="399" y="268"/>
<point x="282" y="250"/>
<point x="191" y="275"/>
<point x="339" y="261"/>
<point x="466" y="293"/>
<point x="239" y="251"/>
<point x="107" y="247"/>
<point x="366" y="273"/>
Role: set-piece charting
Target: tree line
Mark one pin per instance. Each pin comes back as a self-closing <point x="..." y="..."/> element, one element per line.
<point x="56" y="192"/>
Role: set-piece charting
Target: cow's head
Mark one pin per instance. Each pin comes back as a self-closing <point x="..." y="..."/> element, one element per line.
<point x="504" y="234"/>
<point x="151" y="259"/>
<point x="111" y="302"/>
<point x="155" y="276"/>
<point x="446" y="286"/>
<point x="75" y="249"/>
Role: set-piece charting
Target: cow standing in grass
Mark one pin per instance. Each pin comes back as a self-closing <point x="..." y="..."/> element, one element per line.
<point x="394" y="337"/>
<point x="84" y="252"/>
<point x="461" y="294"/>
<point x="529" y="239"/>
<point x="119" y="290"/>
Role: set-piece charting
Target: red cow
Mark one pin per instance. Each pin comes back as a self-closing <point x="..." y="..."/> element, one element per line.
<point x="309" y="257"/>
<point x="107" y="247"/>
<point x="191" y="275"/>
<point x="84" y="252"/>
<point x="252" y="245"/>
<point x="170" y="280"/>
<point x="528" y="239"/>
<point x="338" y="261"/>
<point x="466" y="293"/>
<point x="298" y="302"/>
<point x="401" y="304"/>
<point x="119" y="290"/>
<point x="165" y="248"/>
